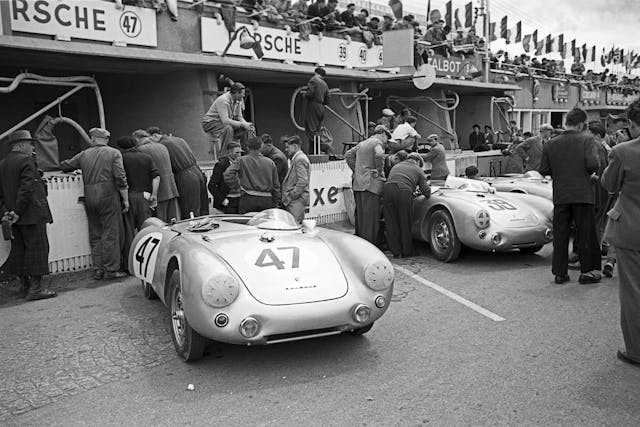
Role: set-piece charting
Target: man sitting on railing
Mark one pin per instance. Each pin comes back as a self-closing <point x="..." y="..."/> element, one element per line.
<point x="437" y="37"/>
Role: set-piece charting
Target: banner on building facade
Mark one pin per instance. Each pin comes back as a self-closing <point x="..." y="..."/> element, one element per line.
<point x="560" y="93"/>
<point x="281" y="45"/>
<point x="617" y="98"/>
<point x="85" y="19"/>
<point x="457" y="66"/>
<point x="589" y="96"/>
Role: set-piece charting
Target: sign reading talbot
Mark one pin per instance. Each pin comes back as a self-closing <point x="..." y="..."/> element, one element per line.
<point x="455" y="66"/>
<point x="85" y="19"/>
<point x="281" y="45"/>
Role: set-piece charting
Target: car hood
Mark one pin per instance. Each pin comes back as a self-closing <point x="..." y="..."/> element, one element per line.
<point x="502" y="209"/>
<point x="282" y="267"/>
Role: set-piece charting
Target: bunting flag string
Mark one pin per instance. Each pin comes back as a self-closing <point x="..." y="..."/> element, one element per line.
<point x="468" y="15"/>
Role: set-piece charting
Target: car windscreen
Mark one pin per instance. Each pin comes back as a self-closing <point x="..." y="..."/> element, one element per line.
<point x="274" y="219"/>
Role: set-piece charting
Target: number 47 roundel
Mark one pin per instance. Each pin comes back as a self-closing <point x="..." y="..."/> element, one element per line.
<point x="144" y="256"/>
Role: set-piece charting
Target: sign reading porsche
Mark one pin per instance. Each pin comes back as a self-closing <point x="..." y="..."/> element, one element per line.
<point x="85" y="19"/>
<point x="287" y="46"/>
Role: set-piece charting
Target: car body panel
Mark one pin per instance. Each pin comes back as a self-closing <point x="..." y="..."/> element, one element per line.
<point x="521" y="220"/>
<point x="528" y="183"/>
<point x="317" y="297"/>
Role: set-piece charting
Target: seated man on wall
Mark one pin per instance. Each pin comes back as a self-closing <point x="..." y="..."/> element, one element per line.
<point x="224" y="120"/>
<point x="405" y="137"/>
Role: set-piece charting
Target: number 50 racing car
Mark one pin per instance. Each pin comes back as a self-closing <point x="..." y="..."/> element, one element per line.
<point x="469" y="212"/>
<point x="259" y="279"/>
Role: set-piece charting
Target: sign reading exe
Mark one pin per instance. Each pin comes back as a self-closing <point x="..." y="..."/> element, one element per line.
<point x="331" y="195"/>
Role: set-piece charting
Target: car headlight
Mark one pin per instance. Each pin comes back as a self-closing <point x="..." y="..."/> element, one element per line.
<point x="220" y="290"/>
<point x="379" y="275"/>
<point x="249" y="327"/>
<point x="482" y="219"/>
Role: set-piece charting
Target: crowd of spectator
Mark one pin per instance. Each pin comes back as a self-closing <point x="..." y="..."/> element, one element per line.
<point x="525" y="65"/>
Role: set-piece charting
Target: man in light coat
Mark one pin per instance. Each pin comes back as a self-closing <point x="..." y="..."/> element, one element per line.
<point x="366" y="160"/>
<point x="295" y="187"/>
<point x="622" y="177"/>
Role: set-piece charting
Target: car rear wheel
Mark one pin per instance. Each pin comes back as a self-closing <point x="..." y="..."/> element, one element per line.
<point x="530" y="249"/>
<point x="363" y="330"/>
<point x="188" y="343"/>
<point x="149" y="293"/>
<point x="443" y="239"/>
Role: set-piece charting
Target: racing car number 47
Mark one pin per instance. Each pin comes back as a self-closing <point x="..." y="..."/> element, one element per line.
<point x="145" y="254"/>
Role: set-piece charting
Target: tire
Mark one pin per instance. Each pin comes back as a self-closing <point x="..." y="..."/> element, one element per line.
<point x="149" y="293"/>
<point x="363" y="330"/>
<point x="188" y="343"/>
<point x="530" y="250"/>
<point x="443" y="239"/>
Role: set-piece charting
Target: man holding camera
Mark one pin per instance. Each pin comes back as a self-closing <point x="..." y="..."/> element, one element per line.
<point x="25" y="213"/>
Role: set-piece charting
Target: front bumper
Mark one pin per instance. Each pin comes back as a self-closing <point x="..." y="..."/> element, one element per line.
<point x="510" y="238"/>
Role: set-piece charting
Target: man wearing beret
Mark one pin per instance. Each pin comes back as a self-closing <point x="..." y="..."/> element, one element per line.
<point x="105" y="191"/>
<point x="23" y="204"/>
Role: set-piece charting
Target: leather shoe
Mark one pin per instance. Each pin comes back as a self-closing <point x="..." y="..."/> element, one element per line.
<point x="622" y="355"/>
<point x="114" y="275"/>
<point x="562" y="278"/>
<point x="590" y="277"/>
<point x="607" y="270"/>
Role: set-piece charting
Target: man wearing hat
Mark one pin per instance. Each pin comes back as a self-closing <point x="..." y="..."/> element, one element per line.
<point x="105" y="191"/>
<point x="438" y="159"/>
<point x="366" y="160"/>
<point x="617" y="132"/>
<point x="388" y="119"/>
<point x="531" y="148"/>
<point x="23" y="204"/>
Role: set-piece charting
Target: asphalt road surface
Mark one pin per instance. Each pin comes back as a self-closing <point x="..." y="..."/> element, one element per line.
<point x="487" y="340"/>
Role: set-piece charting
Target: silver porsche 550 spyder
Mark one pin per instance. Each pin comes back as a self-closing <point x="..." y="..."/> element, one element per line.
<point x="528" y="183"/>
<point x="469" y="212"/>
<point x="259" y="279"/>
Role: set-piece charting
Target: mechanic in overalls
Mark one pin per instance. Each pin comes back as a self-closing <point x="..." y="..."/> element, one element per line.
<point x="106" y="196"/>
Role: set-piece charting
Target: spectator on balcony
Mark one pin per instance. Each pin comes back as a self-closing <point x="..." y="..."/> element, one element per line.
<point x="315" y="9"/>
<point x="362" y="18"/>
<point x="405" y="137"/>
<point x="348" y="17"/>
<point x="476" y="138"/>
<point x="387" y="22"/>
<point x="272" y="152"/>
<point x="374" y="25"/>
<point x="283" y="7"/>
<point x="330" y="11"/>
<point x="577" y="68"/>
<point x="437" y="37"/>
<point x="299" y="10"/>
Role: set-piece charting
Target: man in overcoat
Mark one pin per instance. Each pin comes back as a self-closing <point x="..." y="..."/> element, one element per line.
<point x="23" y="205"/>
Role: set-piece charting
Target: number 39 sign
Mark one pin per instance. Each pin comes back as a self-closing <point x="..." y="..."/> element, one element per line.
<point x="144" y="256"/>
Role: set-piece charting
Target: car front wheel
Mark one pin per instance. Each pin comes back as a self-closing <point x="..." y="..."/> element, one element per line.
<point x="443" y="239"/>
<point x="188" y="343"/>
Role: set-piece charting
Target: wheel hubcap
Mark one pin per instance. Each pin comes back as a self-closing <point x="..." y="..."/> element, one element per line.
<point x="441" y="235"/>
<point x="177" y="317"/>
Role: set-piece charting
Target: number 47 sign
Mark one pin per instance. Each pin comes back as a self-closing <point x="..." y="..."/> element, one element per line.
<point x="145" y="254"/>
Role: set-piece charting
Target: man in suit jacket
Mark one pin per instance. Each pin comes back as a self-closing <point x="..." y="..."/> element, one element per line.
<point x="366" y="160"/>
<point x="571" y="160"/>
<point x="23" y="204"/>
<point x="622" y="177"/>
<point x="295" y="187"/>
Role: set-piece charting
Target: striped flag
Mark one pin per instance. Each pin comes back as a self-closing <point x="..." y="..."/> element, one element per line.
<point x="593" y="54"/>
<point x="573" y="49"/>
<point x="563" y="51"/>
<point x="396" y="8"/>
<point x="584" y="52"/>
<point x="492" y="32"/>
<point x="561" y="43"/>
<point x="548" y="44"/>
<point x="525" y="43"/>
<point x="503" y="29"/>
<point x="539" y="47"/>
<point x="518" y="32"/>
<point x="534" y="38"/>
<point x="447" y="16"/>
<point x="458" y="24"/>
<point x="468" y="15"/>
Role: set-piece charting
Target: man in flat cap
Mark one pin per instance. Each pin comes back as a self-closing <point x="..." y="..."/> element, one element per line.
<point x="23" y="204"/>
<point x="106" y="196"/>
<point x="531" y="148"/>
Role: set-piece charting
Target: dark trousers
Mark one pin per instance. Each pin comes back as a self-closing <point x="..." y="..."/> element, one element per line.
<point x="29" y="254"/>
<point x="314" y="115"/>
<point x="629" y="271"/>
<point x="249" y="203"/>
<point x="582" y="215"/>
<point x="227" y="134"/>
<point x="139" y="210"/>
<point x="367" y="215"/>
<point x="106" y="231"/>
<point x="168" y="209"/>
<point x="190" y="182"/>
<point x="397" y="206"/>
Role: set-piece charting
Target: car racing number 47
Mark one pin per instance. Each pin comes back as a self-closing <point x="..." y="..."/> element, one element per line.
<point x="144" y="256"/>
